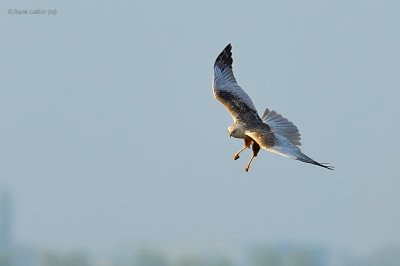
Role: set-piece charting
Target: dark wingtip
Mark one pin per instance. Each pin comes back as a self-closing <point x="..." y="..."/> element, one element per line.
<point x="327" y="166"/>
<point x="304" y="158"/>
<point x="228" y="47"/>
<point x="324" y="165"/>
<point x="224" y="59"/>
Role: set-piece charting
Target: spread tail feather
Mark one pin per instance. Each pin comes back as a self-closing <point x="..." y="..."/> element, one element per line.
<point x="282" y="126"/>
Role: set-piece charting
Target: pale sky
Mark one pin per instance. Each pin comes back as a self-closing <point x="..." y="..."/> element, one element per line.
<point x="110" y="133"/>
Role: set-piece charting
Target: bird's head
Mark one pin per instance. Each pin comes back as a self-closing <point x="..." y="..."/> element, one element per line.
<point x="235" y="131"/>
<point x="231" y="130"/>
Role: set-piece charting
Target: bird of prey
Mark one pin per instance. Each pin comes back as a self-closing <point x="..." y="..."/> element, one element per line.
<point x="271" y="132"/>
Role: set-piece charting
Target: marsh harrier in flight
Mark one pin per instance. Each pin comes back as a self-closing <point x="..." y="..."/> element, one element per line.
<point x="271" y="132"/>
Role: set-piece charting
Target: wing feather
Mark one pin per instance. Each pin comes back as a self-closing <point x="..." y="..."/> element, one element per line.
<point x="228" y="91"/>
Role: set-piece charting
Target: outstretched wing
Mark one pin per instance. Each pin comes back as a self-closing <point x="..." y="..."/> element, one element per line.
<point x="276" y="143"/>
<point x="228" y="92"/>
<point x="282" y="126"/>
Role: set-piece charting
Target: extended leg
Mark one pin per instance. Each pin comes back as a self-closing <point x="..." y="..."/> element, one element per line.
<point x="236" y="155"/>
<point x="247" y="143"/>
<point x="256" y="148"/>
